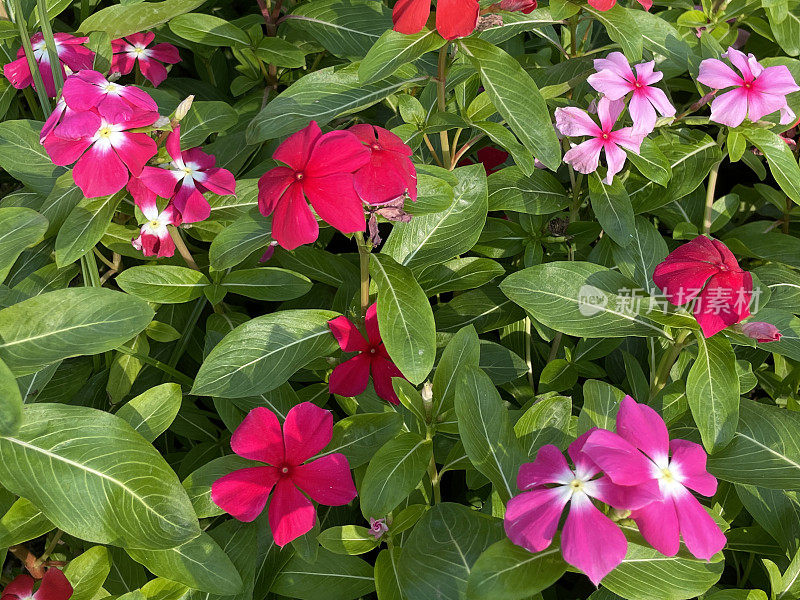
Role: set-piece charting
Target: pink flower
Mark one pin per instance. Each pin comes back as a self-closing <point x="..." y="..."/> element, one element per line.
<point x="677" y="466"/>
<point x="105" y="149"/>
<point x="377" y="527"/>
<point x="327" y="480"/>
<point x="609" y="4"/>
<point x="54" y="586"/>
<point x="590" y="541"/>
<point x="89" y="89"/>
<point x="134" y="47"/>
<point x="187" y="177"/>
<point x="390" y="173"/>
<point x="454" y="18"/>
<point x="724" y="300"/>
<point x="615" y="79"/>
<point x="154" y="237"/>
<point x="351" y="377"/>
<point x="761" y="332"/>
<point x="585" y="157"/>
<point x="72" y="55"/>
<point x="759" y="91"/>
<point x="319" y="167"/>
<point x="525" y="6"/>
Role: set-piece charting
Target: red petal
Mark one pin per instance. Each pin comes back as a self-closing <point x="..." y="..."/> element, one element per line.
<point x="336" y="202"/>
<point x="292" y="222"/>
<point x="326" y="480"/>
<point x="243" y="494"/>
<point x="383" y="370"/>
<point x="351" y="377"/>
<point x="296" y="149"/>
<point x="100" y="173"/>
<point x="371" y="324"/>
<point x="724" y="301"/>
<point x="336" y="152"/>
<point x="259" y="437"/>
<point x="271" y="187"/>
<point x="456" y="18"/>
<point x="21" y="586"/>
<point x="306" y="431"/>
<point x="347" y="334"/>
<point x="410" y="16"/>
<point x="291" y="514"/>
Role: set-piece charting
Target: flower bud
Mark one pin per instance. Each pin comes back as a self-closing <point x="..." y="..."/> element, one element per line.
<point x="761" y="332"/>
<point x="183" y="108"/>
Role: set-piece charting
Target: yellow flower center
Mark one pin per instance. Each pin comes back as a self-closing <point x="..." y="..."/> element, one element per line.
<point x="104" y="132"/>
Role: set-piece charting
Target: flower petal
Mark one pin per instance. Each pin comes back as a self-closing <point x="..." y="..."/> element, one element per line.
<point x="351" y="377"/>
<point x="642" y="112"/>
<point x="296" y="149"/>
<point x="326" y="480"/>
<point x="688" y="464"/>
<point x="456" y="18"/>
<point x="618" y="458"/>
<point x="291" y="514"/>
<point x="259" y="437"/>
<point x="292" y="222"/>
<point x="335" y="201"/>
<point x="585" y="157"/>
<point x="100" y="172"/>
<point x="383" y="369"/>
<point x="531" y="518"/>
<point x="136" y="150"/>
<point x="730" y="108"/>
<point x="701" y="534"/>
<point x="165" y="53"/>
<point x="550" y="466"/>
<point x="658" y="523"/>
<point x="716" y="74"/>
<point x="271" y="187"/>
<point x="724" y="301"/>
<point x="336" y="152"/>
<point x="610" y="83"/>
<point x="644" y="428"/>
<point x="410" y="16"/>
<point x="54" y="586"/>
<point x="243" y="494"/>
<point x="160" y="181"/>
<point x="21" y="586"/>
<point x="348" y="336"/>
<point x="574" y="122"/>
<point x="608" y="112"/>
<point x="306" y="431"/>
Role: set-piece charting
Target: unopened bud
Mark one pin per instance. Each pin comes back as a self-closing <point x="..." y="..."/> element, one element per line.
<point x="427" y="391"/>
<point x="183" y="108"/>
<point x="761" y="332"/>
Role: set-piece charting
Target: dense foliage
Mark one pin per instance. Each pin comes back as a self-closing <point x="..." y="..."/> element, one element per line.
<point x="339" y="299"/>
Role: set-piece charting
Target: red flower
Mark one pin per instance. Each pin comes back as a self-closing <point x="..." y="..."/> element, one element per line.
<point x="134" y="47"/>
<point x="609" y="4"/>
<point x="454" y="18"/>
<point x="54" y="586"/>
<point x="491" y="158"/>
<point x="706" y="269"/>
<point x="320" y="168"/>
<point x="526" y="6"/>
<point x="327" y="480"/>
<point x="390" y="173"/>
<point x="351" y="377"/>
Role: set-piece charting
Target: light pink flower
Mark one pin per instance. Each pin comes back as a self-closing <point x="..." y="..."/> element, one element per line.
<point x="615" y="79"/>
<point x="377" y="527"/>
<point x="106" y="150"/>
<point x="54" y="586"/>
<point x="677" y="466"/>
<point x="72" y="56"/>
<point x="585" y="157"/>
<point x="327" y="480"/>
<point x="758" y="91"/>
<point x="590" y="541"/>
<point x="761" y="332"/>
<point x="134" y="47"/>
<point x="154" y="237"/>
<point x="187" y="177"/>
<point x="89" y="89"/>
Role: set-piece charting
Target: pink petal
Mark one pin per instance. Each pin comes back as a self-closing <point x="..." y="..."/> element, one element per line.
<point x="615" y="157"/>
<point x="191" y="204"/>
<point x="292" y="222"/>
<point x="100" y="172"/>
<point x="335" y="201"/>
<point x="144" y="198"/>
<point x="135" y="150"/>
<point x="616" y="63"/>
<point x="716" y="74"/>
<point x="730" y="108"/>
<point x="610" y="83"/>
<point x="78" y="125"/>
<point x="139" y="99"/>
<point x="54" y="586"/>
<point x="585" y="467"/>
<point x="160" y="181"/>
<point x="243" y="494"/>
<point x="82" y="91"/>
<point x="623" y="497"/>
<point x="724" y="301"/>
<point x="65" y="152"/>
<point x="383" y="369"/>
<point x="347" y="334"/>
<point x="609" y="111"/>
<point x="740" y="60"/>
<point x="761" y="331"/>
<point x="21" y="586"/>
<point x="658" y="523"/>
<point x="371" y="324"/>
<point x="165" y="53"/>
<point x="585" y="157"/>
<point x="336" y="152"/>
<point x="642" y="112"/>
<point x="296" y="149"/>
<point x="645" y="74"/>
<point x="590" y="541"/>
<point x="259" y="437"/>
<point x="173" y="144"/>
<point x="351" y="377"/>
<point x="659" y="100"/>
<point x="726" y="257"/>
<point x="291" y="514"/>
<point x="122" y="63"/>
<point x="392" y="142"/>
<point x="306" y="431"/>
<point x="762" y="104"/>
<point x="688" y="464"/>
<point x="219" y="181"/>
<point x="204" y="161"/>
<point x="776" y="80"/>
<point x="143" y="38"/>
<point x="550" y="466"/>
<point x="531" y="518"/>
<point x="18" y="73"/>
<point x="574" y="122"/>
<point x="618" y="458"/>
<point x="701" y="534"/>
<point x="644" y="428"/>
<point x="627" y="138"/>
<point x="326" y="480"/>
<point x="410" y="16"/>
<point x="153" y="71"/>
<point x="271" y="187"/>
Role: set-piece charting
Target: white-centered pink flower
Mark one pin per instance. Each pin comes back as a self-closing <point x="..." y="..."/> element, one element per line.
<point x="154" y="237"/>
<point x="615" y="79"/>
<point x="185" y="179"/>
<point x="757" y="92"/>
<point x="585" y="157"/>
<point x="134" y="47"/>
<point x="115" y="102"/>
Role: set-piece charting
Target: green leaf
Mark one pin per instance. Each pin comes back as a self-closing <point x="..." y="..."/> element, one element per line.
<point x="330" y="577"/>
<point x="546" y="422"/>
<point x="507" y="572"/>
<point x="622" y="28"/>
<point x="579" y="298"/>
<point x="240" y="239"/>
<point x="24" y="158"/>
<point x="486" y="431"/>
<point x="279" y="52"/>
<point x="516" y="97"/>
<point x="600" y="405"/>
<point x="208" y="30"/>
<point x="61" y="200"/>
<point x="517" y="22"/>
<point x="199" y="563"/>
<point x="348" y="539"/>
<point x="612" y="207"/>
<point x="267" y="283"/>
<point x="459" y="274"/>
<point x="10" y="403"/>
<point x="387" y="584"/>
<point x="360" y="436"/>
<point x="462" y="351"/>
<point x="782" y="162"/>
<point x="434" y="238"/>
<point x="85" y="227"/>
<point x="205" y="118"/>
<point x="661" y="38"/>
<point x="437" y="557"/>
<point x="787" y="31"/>
<point x="20" y="228"/>
<point x="22" y="522"/>
<point x="152" y="412"/>
<point x="536" y="194"/>
<point x="405" y="318"/>
<point x="712" y="389"/>
<point x="393" y="473"/>
<point x="640" y="258"/>
<point x="321" y="96"/>
<point x="94" y="477"/>
<point x="777" y="511"/>
<point x="198" y="483"/>
<point x="164" y="284"/>
<point x="88" y="571"/>
<point x="124" y="19"/>
<point x="392" y="50"/>
<point x="651" y="162"/>
<point x="263" y="353"/>
<point x="66" y="323"/>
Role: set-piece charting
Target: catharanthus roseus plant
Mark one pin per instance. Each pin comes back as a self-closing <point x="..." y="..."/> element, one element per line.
<point x="399" y="300"/>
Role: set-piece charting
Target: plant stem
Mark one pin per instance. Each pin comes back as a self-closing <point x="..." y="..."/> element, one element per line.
<point x="177" y="375"/>
<point x="50" y="547"/>
<point x="529" y="353"/>
<point x="435" y="481"/>
<point x="710" y="190"/>
<point x="50" y="43"/>
<point x="182" y="249"/>
<point x="441" y="82"/>
<point x="19" y="19"/>
<point x="363" y="256"/>
<point x="661" y="375"/>
<point x="84" y="9"/>
<point x="432" y="150"/>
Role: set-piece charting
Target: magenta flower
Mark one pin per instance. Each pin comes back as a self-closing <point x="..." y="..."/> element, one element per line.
<point x="319" y="167"/>
<point x="615" y="79"/>
<point x="327" y="480"/>
<point x="352" y="376"/>
<point x="72" y="56"/>
<point x="585" y="157"/>
<point x="377" y="527"/>
<point x="54" y="586"/>
<point x="187" y="177"/>
<point x="677" y="466"/>
<point x="154" y="237"/>
<point x="761" y="332"/>
<point x="390" y="173"/>
<point x="525" y="6"/>
<point x="758" y="91"/>
<point x="135" y="47"/>
<point x="706" y="269"/>
<point x="106" y="150"/>
<point x="89" y="89"/>
<point x="590" y="540"/>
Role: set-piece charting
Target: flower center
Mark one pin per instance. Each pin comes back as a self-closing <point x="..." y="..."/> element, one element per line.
<point x="285" y="470"/>
<point x="187" y="170"/>
<point x="138" y="50"/>
<point x="154" y="224"/>
<point x="110" y="87"/>
<point x="605" y="136"/>
<point x="748" y="85"/>
<point x="299" y="176"/>
<point x="637" y="84"/>
<point x="376" y="146"/>
<point x="104" y="132"/>
<point x="372" y="350"/>
<point x="667" y="476"/>
<point x="576" y="485"/>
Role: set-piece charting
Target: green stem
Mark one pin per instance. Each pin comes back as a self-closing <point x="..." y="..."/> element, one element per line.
<point x="50" y="43"/>
<point x="36" y="110"/>
<point x="19" y="19"/>
<point x="89" y="269"/>
<point x="50" y="547"/>
<point x="710" y="191"/>
<point x="175" y="234"/>
<point x="665" y="365"/>
<point x="363" y="256"/>
<point x="177" y="375"/>
<point x="529" y="353"/>
<point x="84" y="10"/>
<point x="441" y="83"/>
<point x="435" y="481"/>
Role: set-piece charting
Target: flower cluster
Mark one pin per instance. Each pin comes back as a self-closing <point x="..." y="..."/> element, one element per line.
<point x="336" y="172"/>
<point x="327" y="480"/>
<point x="54" y="586"/>
<point x="637" y="469"/>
